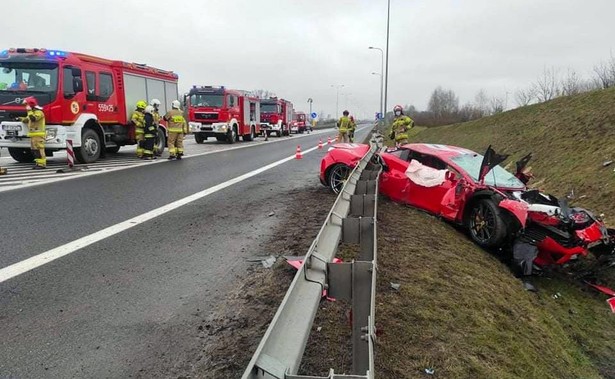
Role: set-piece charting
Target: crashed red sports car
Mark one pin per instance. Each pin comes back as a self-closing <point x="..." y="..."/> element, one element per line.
<point x="474" y="191"/>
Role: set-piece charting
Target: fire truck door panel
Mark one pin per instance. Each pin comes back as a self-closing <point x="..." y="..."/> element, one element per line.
<point x="245" y="105"/>
<point x="135" y="90"/>
<point x="73" y="92"/>
<point x="171" y="93"/>
<point x="155" y="90"/>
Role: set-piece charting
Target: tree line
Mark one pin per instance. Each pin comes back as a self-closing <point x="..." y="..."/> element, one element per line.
<point x="444" y="108"/>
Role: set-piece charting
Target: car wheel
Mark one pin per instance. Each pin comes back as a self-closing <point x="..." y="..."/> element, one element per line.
<point x="338" y="174"/>
<point x="90" y="149"/>
<point x="486" y="223"/>
<point x="21" y="155"/>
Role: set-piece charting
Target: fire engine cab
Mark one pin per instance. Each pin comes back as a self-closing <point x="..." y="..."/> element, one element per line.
<point x="276" y="116"/>
<point x="222" y="113"/>
<point x="299" y="122"/>
<point x="86" y="99"/>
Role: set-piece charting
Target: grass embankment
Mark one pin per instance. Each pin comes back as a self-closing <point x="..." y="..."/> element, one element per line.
<point x="460" y="311"/>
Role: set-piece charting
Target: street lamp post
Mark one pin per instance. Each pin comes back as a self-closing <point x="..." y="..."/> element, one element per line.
<point x="381" y="75"/>
<point x="310" y="102"/>
<point x="337" y="99"/>
<point x="386" y="79"/>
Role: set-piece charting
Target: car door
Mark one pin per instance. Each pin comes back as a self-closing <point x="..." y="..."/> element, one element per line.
<point x="428" y="196"/>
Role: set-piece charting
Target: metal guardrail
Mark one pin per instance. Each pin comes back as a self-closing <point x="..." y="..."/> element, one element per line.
<point x="352" y="219"/>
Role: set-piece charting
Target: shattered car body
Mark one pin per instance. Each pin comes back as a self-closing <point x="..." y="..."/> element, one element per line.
<point x="472" y="190"/>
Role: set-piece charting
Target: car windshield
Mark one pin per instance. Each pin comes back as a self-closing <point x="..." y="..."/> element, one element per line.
<point x="28" y="77"/>
<point x="497" y="177"/>
<point x="270" y="108"/>
<point x="207" y="100"/>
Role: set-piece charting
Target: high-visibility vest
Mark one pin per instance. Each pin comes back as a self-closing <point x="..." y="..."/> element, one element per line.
<point x="138" y="118"/>
<point x="36" y="123"/>
<point x="176" y="121"/>
<point x="344" y="124"/>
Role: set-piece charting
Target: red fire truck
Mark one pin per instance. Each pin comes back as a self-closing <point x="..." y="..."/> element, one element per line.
<point x="276" y="116"/>
<point x="222" y="113"/>
<point x="86" y="99"/>
<point x="299" y="122"/>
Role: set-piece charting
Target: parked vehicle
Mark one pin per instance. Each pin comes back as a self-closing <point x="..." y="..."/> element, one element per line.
<point x="493" y="205"/>
<point x="276" y="116"/>
<point x="86" y="99"/>
<point x="223" y="113"/>
<point x="299" y="123"/>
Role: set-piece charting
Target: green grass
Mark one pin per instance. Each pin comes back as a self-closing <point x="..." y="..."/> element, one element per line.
<point x="461" y="311"/>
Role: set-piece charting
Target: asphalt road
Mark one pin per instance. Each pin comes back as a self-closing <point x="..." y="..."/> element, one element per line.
<point x="128" y="304"/>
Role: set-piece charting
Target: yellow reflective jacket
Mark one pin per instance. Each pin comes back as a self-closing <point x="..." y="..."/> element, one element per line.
<point x="176" y="121"/>
<point x="156" y="117"/>
<point x="138" y="119"/>
<point x="401" y="126"/>
<point x="36" y="123"/>
<point x="344" y="124"/>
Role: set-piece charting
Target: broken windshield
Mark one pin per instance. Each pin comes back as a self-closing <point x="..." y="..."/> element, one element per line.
<point x="497" y="177"/>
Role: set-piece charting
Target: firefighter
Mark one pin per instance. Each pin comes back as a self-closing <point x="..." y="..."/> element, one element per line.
<point x="177" y="128"/>
<point x="156" y="104"/>
<point x="351" y="130"/>
<point x="138" y="119"/>
<point x="36" y="131"/>
<point x="401" y="125"/>
<point x="344" y="126"/>
<point x="149" y="135"/>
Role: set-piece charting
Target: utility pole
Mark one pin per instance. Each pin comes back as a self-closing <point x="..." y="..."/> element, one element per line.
<point x="386" y="80"/>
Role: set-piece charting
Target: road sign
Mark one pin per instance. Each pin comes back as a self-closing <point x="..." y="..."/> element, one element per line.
<point x="378" y="116"/>
<point x="314" y="115"/>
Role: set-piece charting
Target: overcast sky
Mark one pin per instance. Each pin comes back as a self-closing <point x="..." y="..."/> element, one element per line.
<point x="299" y="48"/>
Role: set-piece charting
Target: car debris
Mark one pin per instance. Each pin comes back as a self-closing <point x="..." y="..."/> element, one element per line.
<point x="607" y="163"/>
<point x="556" y="295"/>
<point x="271" y="214"/>
<point x="529" y="287"/>
<point x="430" y="371"/>
<point x="269" y="262"/>
<point x="611" y="303"/>
<point x="395" y="286"/>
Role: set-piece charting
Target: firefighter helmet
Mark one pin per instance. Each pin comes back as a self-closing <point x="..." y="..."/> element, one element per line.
<point x="141" y="104"/>
<point x="175" y="104"/>
<point x="155" y="103"/>
<point x="345" y="113"/>
<point x="149" y="109"/>
<point x="398" y="108"/>
<point x="31" y="101"/>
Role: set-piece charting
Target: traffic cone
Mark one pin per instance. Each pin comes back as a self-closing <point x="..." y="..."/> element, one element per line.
<point x="320" y="143"/>
<point x="298" y="154"/>
<point x="328" y="140"/>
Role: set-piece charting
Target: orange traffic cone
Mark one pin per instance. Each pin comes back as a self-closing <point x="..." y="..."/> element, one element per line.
<point x="298" y="154"/>
<point x="328" y="140"/>
<point x="320" y="143"/>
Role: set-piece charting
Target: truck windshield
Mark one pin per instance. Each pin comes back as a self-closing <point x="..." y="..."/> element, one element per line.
<point x="28" y="77"/>
<point x="269" y="108"/>
<point x="207" y="100"/>
<point x="301" y="117"/>
<point x="498" y="177"/>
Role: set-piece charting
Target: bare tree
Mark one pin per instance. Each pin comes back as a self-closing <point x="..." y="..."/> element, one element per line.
<point x="525" y="97"/>
<point x="496" y="105"/>
<point x="571" y="84"/>
<point x="546" y="86"/>
<point x="481" y="103"/>
<point x="262" y="93"/>
<point x="603" y="75"/>
<point x="443" y="104"/>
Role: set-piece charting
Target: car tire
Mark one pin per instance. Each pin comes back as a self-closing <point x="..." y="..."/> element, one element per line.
<point x="337" y="176"/>
<point x="487" y="224"/>
<point x="21" y="155"/>
<point x="199" y="138"/>
<point x="90" y="149"/>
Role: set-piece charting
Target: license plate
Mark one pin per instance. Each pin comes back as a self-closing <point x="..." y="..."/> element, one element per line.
<point x="11" y="127"/>
<point x="11" y="133"/>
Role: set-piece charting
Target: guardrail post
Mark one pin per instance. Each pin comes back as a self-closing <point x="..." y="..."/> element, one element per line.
<point x="361" y="298"/>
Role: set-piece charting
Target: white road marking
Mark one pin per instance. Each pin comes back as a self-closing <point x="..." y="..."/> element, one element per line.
<point x="60" y="251"/>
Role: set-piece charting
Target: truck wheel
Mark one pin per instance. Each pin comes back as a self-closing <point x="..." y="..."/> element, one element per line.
<point x="162" y="141"/>
<point x="21" y="155"/>
<point x="249" y="137"/>
<point x="112" y="149"/>
<point x="231" y="135"/>
<point x="199" y="138"/>
<point x="90" y="149"/>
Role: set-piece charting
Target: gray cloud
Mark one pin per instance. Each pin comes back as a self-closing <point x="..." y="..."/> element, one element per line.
<point x="298" y="49"/>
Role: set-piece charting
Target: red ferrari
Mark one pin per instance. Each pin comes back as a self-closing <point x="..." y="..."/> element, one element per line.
<point x="474" y="191"/>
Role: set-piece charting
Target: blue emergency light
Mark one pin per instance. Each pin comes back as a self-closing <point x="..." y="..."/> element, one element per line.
<point x="56" y="53"/>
